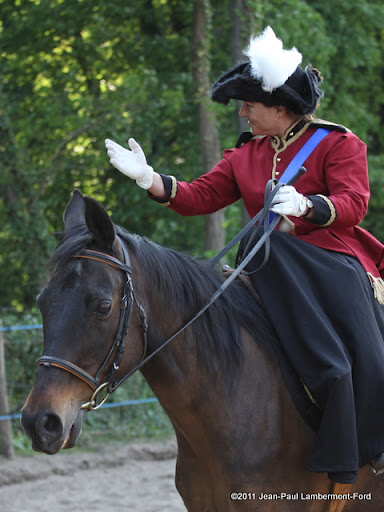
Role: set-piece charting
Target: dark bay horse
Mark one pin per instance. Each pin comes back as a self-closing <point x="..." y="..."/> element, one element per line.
<point x="236" y="426"/>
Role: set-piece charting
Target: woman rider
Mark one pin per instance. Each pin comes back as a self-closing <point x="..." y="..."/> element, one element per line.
<point x="322" y="286"/>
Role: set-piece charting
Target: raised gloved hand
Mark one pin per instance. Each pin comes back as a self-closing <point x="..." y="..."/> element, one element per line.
<point x="131" y="163"/>
<point x="288" y="201"/>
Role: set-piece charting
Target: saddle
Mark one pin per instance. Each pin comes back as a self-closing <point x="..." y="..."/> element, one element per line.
<point x="227" y="271"/>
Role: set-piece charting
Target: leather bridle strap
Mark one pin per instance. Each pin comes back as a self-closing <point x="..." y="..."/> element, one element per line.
<point x="105" y="258"/>
<point x="69" y="367"/>
<point x="117" y="348"/>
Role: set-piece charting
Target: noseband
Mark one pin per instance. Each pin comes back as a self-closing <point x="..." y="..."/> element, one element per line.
<point x="116" y="351"/>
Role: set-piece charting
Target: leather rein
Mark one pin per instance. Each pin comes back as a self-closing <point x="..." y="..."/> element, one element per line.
<point x="128" y="297"/>
<point x="116" y="351"/>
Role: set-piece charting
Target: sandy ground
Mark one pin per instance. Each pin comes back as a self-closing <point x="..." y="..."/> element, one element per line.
<point x="133" y="477"/>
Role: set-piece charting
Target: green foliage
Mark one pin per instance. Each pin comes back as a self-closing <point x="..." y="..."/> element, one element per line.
<point x="353" y="82"/>
<point x="22" y="349"/>
<point x="125" y="423"/>
<point x="76" y="72"/>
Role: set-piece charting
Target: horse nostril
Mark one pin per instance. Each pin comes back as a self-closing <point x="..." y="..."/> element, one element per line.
<point x="45" y="429"/>
<point x="50" y="426"/>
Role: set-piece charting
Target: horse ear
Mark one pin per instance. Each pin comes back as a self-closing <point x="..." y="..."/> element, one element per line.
<point x="99" y="223"/>
<point x="74" y="214"/>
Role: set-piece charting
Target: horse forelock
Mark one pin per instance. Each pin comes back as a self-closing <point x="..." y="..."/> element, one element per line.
<point x="71" y="244"/>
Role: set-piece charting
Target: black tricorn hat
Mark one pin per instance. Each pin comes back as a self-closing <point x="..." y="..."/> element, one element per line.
<point x="300" y="93"/>
<point x="271" y="77"/>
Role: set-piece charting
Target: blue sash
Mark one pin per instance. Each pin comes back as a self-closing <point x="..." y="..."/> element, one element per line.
<point x="301" y="157"/>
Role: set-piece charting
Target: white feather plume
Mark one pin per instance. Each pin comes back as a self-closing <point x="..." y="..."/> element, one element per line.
<point x="270" y="63"/>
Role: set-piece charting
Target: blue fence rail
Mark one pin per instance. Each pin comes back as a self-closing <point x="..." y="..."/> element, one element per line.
<point x="21" y="327"/>
<point x="104" y="406"/>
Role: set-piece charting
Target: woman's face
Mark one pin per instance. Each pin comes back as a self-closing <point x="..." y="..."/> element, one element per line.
<point x="264" y="120"/>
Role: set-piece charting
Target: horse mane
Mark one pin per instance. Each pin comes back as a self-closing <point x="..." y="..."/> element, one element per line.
<point x="185" y="285"/>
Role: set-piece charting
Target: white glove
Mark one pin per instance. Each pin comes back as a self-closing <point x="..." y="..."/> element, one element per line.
<point x="288" y="201"/>
<point x="131" y="163"/>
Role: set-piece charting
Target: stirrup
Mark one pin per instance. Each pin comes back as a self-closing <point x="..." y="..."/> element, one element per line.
<point x="377" y="464"/>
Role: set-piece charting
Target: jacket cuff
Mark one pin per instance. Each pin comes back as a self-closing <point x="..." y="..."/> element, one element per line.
<point x="170" y="186"/>
<point x="325" y="211"/>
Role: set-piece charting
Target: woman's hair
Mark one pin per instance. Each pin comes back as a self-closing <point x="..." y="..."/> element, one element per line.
<point x="317" y="80"/>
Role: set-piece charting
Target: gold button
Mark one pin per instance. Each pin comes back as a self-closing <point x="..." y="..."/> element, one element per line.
<point x="278" y="159"/>
<point x="291" y="134"/>
<point x="277" y="173"/>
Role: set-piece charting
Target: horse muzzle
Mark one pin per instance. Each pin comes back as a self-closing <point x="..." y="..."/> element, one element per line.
<point x="48" y="432"/>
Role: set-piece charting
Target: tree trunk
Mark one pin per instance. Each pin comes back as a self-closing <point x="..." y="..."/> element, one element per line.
<point x="244" y="23"/>
<point x="6" y="448"/>
<point x="238" y="42"/>
<point x="214" y="236"/>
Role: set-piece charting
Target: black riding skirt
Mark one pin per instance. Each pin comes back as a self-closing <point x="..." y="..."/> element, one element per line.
<point x="331" y="329"/>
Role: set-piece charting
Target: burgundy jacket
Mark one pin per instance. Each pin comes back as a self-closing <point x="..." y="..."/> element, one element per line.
<point x="336" y="180"/>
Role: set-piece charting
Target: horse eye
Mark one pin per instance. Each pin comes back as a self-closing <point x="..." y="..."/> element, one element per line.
<point x="104" y="308"/>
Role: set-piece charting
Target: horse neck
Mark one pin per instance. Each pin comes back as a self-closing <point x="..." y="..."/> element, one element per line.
<point x="183" y="385"/>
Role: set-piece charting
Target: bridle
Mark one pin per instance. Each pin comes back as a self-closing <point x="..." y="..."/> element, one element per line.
<point x="116" y="351"/>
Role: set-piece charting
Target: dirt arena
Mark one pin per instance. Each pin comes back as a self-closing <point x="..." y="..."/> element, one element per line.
<point x="133" y="477"/>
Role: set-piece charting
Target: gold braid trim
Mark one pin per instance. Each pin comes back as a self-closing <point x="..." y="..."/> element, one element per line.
<point x="378" y="287"/>
<point x="174" y="187"/>
<point x="332" y="210"/>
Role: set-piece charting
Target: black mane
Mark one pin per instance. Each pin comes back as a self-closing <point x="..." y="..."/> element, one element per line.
<point x="185" y="285"/>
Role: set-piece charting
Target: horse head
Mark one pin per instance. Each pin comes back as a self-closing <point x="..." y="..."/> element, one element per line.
<point x="84" y="309"/>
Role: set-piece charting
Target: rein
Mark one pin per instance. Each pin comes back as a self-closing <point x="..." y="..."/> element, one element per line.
<point x="128" y="297"/>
